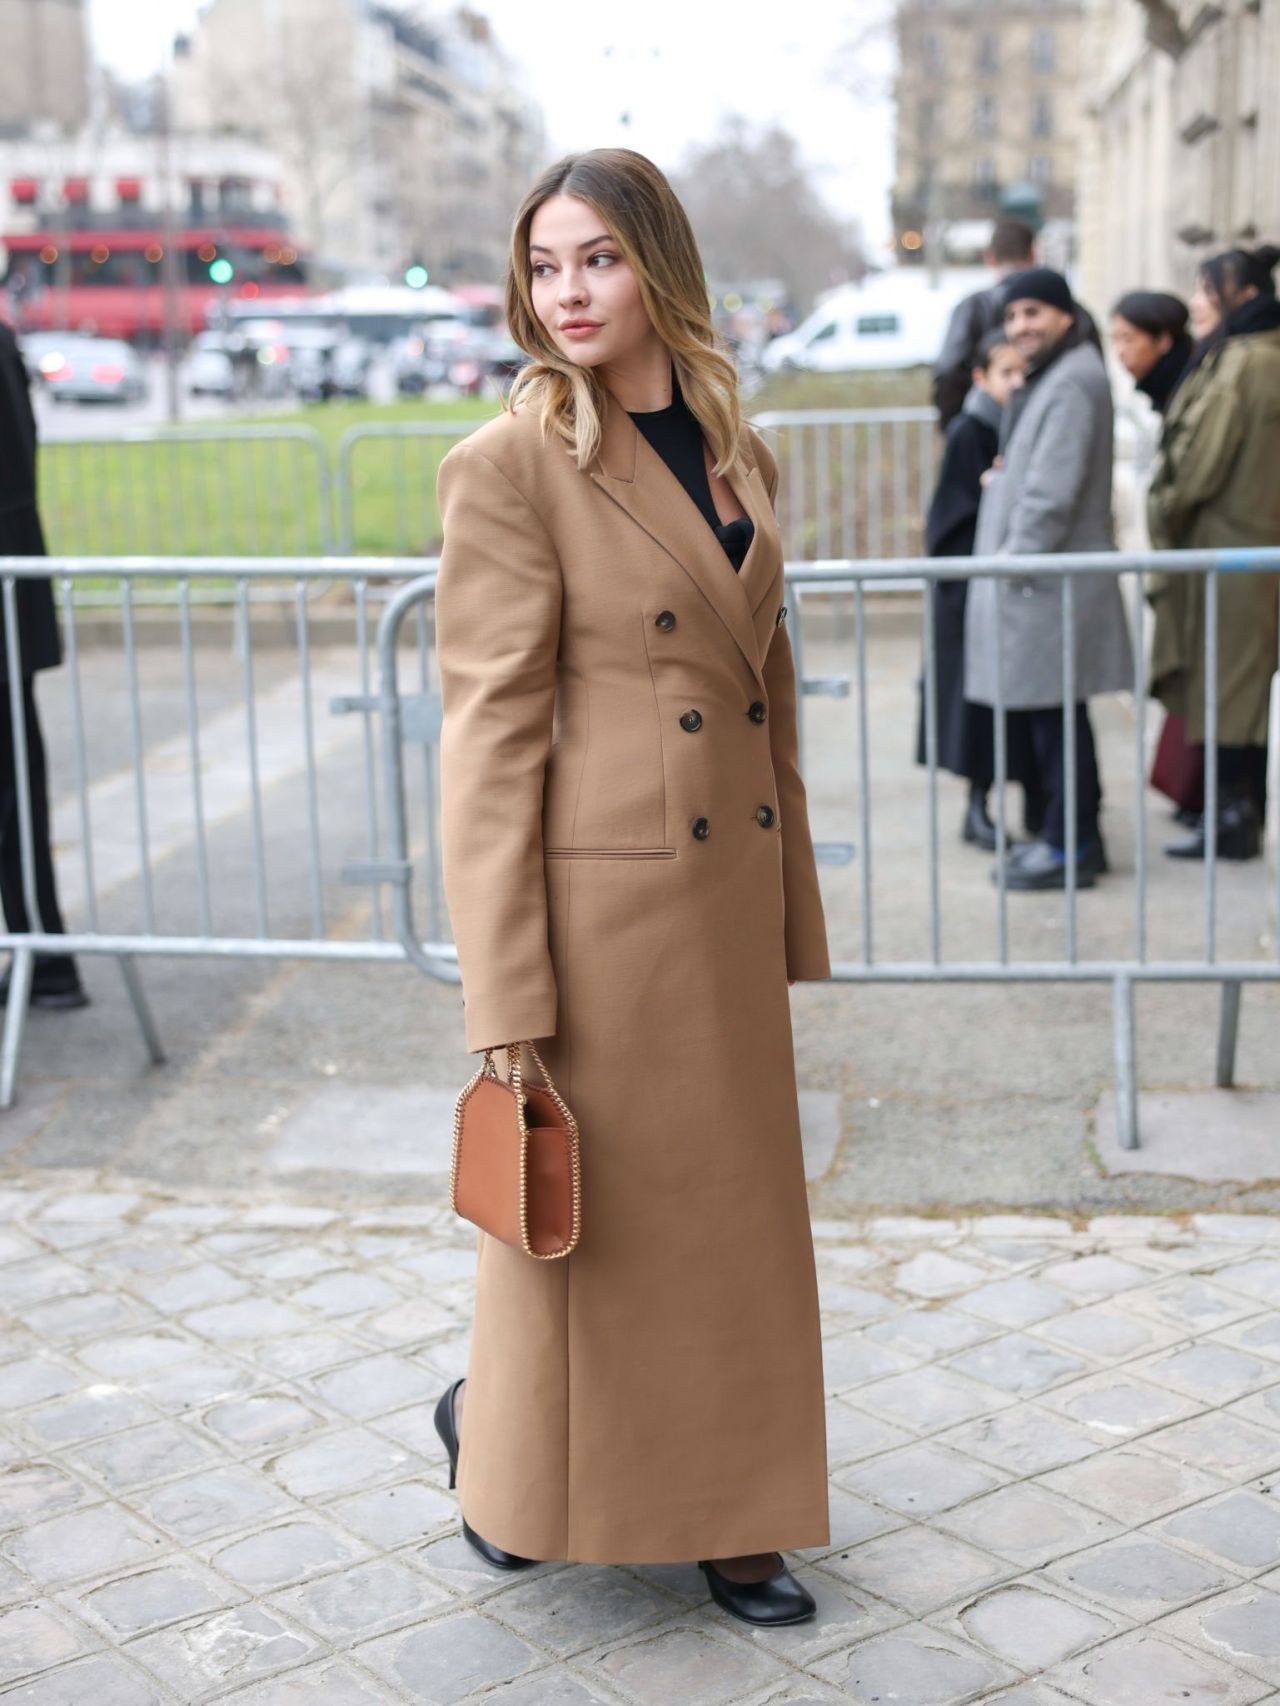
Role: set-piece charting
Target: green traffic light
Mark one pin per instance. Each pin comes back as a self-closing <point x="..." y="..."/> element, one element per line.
<point x="221" y="271"/>
<point x="416" y="277"/>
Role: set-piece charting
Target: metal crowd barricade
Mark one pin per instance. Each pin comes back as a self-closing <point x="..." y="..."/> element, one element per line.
<point x="404" y="518"/>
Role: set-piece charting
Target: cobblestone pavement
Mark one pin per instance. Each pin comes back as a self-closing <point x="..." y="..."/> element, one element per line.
<point x="1051" y="1448"/>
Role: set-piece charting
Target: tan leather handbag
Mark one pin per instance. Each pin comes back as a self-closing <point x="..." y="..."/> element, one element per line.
<point x="517" y="1170"/>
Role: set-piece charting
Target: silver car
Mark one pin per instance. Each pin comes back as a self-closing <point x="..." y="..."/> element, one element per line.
<point x="77" y="369"/>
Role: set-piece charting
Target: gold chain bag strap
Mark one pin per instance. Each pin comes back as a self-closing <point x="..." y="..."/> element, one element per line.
<point x="517" y="1171"/>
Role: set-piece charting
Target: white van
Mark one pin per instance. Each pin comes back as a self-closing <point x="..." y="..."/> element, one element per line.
<point x="893" y="319"/>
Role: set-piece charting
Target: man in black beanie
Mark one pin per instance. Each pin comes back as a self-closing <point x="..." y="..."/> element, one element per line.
<point x="1051" y="492"/>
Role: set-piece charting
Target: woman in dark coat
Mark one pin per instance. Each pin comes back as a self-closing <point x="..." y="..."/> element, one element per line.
<point x="966" y="732"/>
<point x="1150" y="337"/>
<point x="55" y="982"/>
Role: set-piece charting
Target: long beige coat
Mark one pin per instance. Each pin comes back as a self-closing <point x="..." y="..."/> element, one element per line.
<point x="637" y="891"/>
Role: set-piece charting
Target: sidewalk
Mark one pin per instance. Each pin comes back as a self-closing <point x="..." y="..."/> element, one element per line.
<point x="1051" y="1453"/>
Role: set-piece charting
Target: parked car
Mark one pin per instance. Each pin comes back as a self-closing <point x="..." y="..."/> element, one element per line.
<point x="893" y="320"/>
<point x="78" y="369"/>
<point x="210" y="370"/>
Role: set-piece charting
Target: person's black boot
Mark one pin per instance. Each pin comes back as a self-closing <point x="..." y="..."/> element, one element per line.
<point x="1239" y="834"/>
<point x="55" y="984"/>
<point x="978" y="829"/>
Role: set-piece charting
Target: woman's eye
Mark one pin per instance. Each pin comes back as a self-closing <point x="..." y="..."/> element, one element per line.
<point x="600" y="255"/>
<point x="541" y="269"/>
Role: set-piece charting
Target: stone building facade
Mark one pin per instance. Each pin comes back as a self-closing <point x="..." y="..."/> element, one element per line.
<point x="1180" y="156"/>
<point x="44" y="66"/>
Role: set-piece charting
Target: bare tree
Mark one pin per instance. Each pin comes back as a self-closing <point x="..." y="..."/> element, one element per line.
<point x="757" y="213"/>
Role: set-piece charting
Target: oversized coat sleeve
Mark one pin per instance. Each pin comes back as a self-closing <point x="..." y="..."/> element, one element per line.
<point x="1197" y="459"/>
<point x="807" y="953"/>
<point x="498" y="597"/>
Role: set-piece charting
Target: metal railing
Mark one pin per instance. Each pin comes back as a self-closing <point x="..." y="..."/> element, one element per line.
<point x="367" y="822"/>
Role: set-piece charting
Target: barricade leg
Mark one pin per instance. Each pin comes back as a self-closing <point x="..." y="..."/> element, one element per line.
<point x="21" y="971"/>
<point x="1126" y="1065"/>
<point x="141" y="1008"/>
<point x="1228" y="1030"/>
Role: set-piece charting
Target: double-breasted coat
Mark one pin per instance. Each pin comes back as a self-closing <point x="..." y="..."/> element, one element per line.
<point x="630" y="875"/>
<point x="1053" y="494"/>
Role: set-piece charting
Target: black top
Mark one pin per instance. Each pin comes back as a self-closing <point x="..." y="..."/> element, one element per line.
<point x="676" y="435"/>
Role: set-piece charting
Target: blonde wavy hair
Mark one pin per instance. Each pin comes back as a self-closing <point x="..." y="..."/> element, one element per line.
<point x="651" y="229"/>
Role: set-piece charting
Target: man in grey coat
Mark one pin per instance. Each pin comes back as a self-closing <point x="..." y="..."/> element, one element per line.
<point x="1050" y="492"/>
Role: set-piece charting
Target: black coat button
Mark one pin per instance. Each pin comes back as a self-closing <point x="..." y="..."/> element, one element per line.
<point x="666" y="620"/>
<point x="764" y="816"/>
<point x="781" y="617"/>
<point x="757" y="712"/>
<point x="691" y="722"/>
<point x="701" y="829"/>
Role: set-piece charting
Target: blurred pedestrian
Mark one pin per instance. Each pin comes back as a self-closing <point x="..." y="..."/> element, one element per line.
<point x="1011" y="248"/>
<point x="56" y="982"/>
<point x="1050" y="493"/>
<point x="1150" y="337"/>
<point x="966" y="731"/>
<point x="1215" y="487"/>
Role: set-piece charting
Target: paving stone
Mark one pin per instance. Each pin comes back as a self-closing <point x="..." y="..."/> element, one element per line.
<point x="406" y="1323"/>
<point x="363" y="1600"/>
<point x="845" y="1615"/>
<point x="1261" y="1335"/>
<point x="1094" y="1277"/>
<point x="853" y="1520"/>
<point x="1027" y="1524"/>
<point x="1242" y="1628"/>
<point x="1192" y="1305"/>
<point x="291" y="1263"/>
<point x="918" y="1569"/>
<point x="1017" y="1363"/>
<point x="1133" y="1485"/>
<point x="136" y="1604"/>
<point x="1243" y="1528"/>
<point x="250" y="1318"/>
<point x="1257" y="1278"/>
<point x="345" y="1293"/>
<point x="1223" y="1444"/>
<point x="559" y="1687"/>
<point x="1104" y="1333"/>
<point x="1015" y="1302"/>
<point x="1022" y="1226"/>
<point x="102" y="1681"/>
<point x="65" y="1318"/>
<point x="852" y="1359"/>
<point x="305" y="1353"/>
<point x="1024" y="1439"/>
<point x="575" y="1609"/>
<point x="853" y="1300"/>
<point x="934" y="1273"/>
<point x="453" y="1564"/>
<point x="91" y="1205"/>
<point x="129" y="1354"/>
<point x="214" y="1653"/>
<point x="852" y="1435"/>
<point x="915" y="1666"/>
<point x="82" y="1543"/>
<point x="32" y="1381"/>
<point x="194" y="1384"/>
<point x="927" y="1399"/>
<point x="1247" y="1228"/>
<point x="929" y="1332"/>
<point x="85" y="1415"/>
<point x="1215" y="1374"/>
<point x="189" y="1216"/>
<point x="1141" y="1575"/>
<point x="34" y="1637"/>
<point x="262" y="1420"/>
<point x="1029" y="1629"/>
<point x="193" y="1288"/>
<point x="148" y="1453"/>
<point x="339" y="1462"/>
<point x="679" y="1665"/>
<point x="214" y="1501"/>
<point x="921" y="1480"/>
<point x="392" y="1516"/>
<point x="39" y="1279"/>
<point x="1117" y="1405"/>
<point x="376" y="1385"/>
<point x="1140" y="1668"/>
<point x="1260" y="1407"/>
<point x="298" y="1217"/>
<point x="278" y="1557"/>
<point x="30" y="1491"/>
<point x="449" y="1660"/>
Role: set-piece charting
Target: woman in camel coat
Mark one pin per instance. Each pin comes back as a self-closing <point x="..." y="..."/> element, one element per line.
<point x="630" y="876"/>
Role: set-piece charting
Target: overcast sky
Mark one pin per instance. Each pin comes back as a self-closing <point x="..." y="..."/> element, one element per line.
<point x="672" y="66"/>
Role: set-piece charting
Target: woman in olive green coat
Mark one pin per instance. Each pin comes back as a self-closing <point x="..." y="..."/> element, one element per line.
<point x="1216" y="487"/>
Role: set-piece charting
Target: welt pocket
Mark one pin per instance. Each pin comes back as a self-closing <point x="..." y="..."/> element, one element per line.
<point x="609" y="852"/>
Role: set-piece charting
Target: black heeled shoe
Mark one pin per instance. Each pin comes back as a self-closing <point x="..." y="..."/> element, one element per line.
<point x="769" y="1604"/>
<point x="447" y="1428"/>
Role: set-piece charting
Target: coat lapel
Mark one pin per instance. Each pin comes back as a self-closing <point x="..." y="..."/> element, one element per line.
<point x="639" y="481"/>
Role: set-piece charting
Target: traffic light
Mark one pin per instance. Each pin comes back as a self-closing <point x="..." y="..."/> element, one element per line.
<point x="416" y="277"/>
<point x="221" y="271"/>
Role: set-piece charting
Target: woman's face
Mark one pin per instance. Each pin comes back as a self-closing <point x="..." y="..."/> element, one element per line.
<point x="1205" y="306"/>
<point x="1137" y="351"/>
<point x="584" y="292"/>
<point x="1005" y="372"/>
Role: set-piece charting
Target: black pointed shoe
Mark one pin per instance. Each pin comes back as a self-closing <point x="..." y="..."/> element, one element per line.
<point x="447" y="1428"/>
<point x="770" y="1604"/>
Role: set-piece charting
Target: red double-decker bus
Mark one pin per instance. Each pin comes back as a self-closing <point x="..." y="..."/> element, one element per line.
<point x="110" y="279"/>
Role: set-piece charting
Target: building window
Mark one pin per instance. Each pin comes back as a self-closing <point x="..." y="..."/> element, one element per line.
<point x="1042" y="116"/>
<point x="931" y="49"/>
<point x="1042" y="52"/>
<point x="984" y="116"/>
<point x="988" y="55"/>
<point x="984" y="176"/>
<point x="1040" y="170"/>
